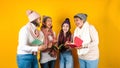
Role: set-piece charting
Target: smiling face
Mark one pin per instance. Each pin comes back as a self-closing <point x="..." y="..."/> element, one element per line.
<point x="65" y="27"/>
<point x="79" y="23"/>
<point x="49" y="22"/>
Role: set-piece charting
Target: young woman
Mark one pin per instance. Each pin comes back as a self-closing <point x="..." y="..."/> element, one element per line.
<point x="48" y="58"/>
<point x="28" y="33"/>
<point x="88" y="58"/>
<point x="65" y="36"/>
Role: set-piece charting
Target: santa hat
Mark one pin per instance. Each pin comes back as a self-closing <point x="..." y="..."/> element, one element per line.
<point x="32" y="15"/>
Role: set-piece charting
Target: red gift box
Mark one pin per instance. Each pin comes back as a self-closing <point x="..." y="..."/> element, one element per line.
<point x="77" y="42"/>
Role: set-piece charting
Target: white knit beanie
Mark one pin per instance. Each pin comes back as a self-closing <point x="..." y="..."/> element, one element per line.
<point x="32" y="15"/>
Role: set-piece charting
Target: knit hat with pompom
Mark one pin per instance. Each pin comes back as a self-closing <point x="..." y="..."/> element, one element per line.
<point x="32" y="15"/>
<point x="67" y="21"/>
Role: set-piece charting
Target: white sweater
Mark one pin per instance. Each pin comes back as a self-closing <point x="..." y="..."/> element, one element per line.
<point x="25" y="40"/>
<point x="89" y="35"/>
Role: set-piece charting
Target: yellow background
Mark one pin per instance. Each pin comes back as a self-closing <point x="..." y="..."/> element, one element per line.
<point x="103" y="14"/>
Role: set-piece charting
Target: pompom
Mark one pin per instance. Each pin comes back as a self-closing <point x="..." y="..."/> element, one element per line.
<point x="67" y="20"/>
<point x="28" y="12"/>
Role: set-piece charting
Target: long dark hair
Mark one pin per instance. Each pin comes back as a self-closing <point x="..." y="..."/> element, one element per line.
<point x="44" y="26"/>
<point x="44" y="22"/>
<point x="62" y="39"/>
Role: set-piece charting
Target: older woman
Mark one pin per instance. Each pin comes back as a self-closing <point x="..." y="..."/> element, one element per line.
<point x="89" y="52"/>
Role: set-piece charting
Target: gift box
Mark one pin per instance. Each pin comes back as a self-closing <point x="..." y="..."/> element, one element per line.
<point x="77" y="42"/>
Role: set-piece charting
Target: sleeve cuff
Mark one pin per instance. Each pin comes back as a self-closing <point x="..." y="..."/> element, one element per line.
<point x="35" y="49"/>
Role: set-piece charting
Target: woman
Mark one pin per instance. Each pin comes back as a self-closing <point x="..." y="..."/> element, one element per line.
<point x="89" y="52"/>
<point x="48" y="58"/>
<point x="27" y="34"/>
<point x="65" y="36"/>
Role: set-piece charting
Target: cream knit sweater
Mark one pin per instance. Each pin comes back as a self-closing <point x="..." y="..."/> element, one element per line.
<point x="89" y="35"/>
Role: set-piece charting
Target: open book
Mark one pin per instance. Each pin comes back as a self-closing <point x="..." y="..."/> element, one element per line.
<point x="57" y="48"/>
<point x="37" y="42"/>
<point x="77" y="42"/>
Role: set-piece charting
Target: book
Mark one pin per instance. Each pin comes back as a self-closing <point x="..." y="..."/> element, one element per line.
<point x="77" y="42"/>
<point x="60" y="46"/>
<point x="37" y="42"/>
<point x="57" y="48"/>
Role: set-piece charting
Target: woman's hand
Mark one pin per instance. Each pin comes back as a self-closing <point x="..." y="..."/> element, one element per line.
<point x="54" y="41"/>
<point x="66" y="44"/>
<point x="50" y="45"/>
<point x="78" y="47"/>
<point x="42" y="47"/>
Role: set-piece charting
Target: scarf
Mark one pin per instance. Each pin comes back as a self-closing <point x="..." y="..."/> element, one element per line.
<point x="84" y="34"/>
<point x="33" y="31"/>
